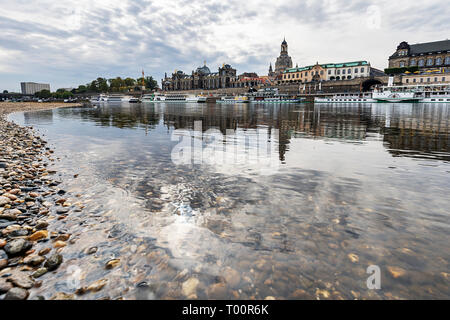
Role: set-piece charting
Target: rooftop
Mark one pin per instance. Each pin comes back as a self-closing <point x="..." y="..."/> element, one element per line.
<point x="330" y="65"/>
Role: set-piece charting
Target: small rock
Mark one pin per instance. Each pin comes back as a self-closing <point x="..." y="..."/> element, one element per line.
<point x="41" y="225"/>
<point x="396" y="272"/>
<point x="189" y="287"/>
<point x="92" y="250"/>
<point x="53" y="262"/>
<point x="21" y="279"/>
<point x="2" y="243"/>
<point x="38" y="235"/>
<point x="63" y="296"/>
<point x="112" y="263"/>
<point x="217" y="291"/>
<point x="33" y="260"/>
<point x="16" y="294"/>
<point x="269" y="298"/>
<point x="59" y="244"/>
<point x="44" y="251"/>
<point x="17" y="246"/>
<point x="4" y="286"/>
<point x="4" y="201"/>
<point x="39" y="272"/>
<point x="97" y="285"/>
<point x="353" y="257"/>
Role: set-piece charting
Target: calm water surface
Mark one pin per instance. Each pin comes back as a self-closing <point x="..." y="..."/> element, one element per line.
<point x="296" y="202"/>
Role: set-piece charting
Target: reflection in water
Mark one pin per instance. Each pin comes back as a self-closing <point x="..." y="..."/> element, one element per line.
<point x="355" y="185"/>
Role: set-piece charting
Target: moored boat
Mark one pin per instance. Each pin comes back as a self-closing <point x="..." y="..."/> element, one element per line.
<point x="233" y="99"/>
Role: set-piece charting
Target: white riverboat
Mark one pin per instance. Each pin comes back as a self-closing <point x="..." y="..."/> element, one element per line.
<point x="395" y="94"/>
<point x="102" y="98"/>
<point x="173" y="97"/>
<point x="433" y="93"/>
<point x="233" y="99"/>
<point x="115" y="98"/>
<point x="348" y="97"/>
<point x="271" y="95"/>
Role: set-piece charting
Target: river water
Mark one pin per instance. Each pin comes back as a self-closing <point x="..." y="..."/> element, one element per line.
<point x="253" y="201"/>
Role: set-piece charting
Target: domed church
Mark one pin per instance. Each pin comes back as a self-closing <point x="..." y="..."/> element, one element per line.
<point x="284" y="61"/>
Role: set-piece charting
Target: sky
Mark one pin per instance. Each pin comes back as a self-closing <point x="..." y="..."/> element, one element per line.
<point x="68" y="43"/>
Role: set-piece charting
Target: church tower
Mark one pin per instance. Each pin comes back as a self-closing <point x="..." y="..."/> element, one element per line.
<point x="284" y="61"/>
<point x="271" y="73"/>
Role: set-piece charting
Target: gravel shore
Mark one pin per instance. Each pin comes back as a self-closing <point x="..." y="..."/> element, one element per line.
<point x="29" y="200"/>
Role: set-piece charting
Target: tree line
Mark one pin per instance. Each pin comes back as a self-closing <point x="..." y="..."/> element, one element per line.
<point x="103" y="85"/>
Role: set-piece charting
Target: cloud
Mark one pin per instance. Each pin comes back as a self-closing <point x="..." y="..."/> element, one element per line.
<point x="67" y="43"/>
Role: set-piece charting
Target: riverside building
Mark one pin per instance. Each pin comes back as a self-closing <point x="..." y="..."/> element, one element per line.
<point x="32" y="87"/>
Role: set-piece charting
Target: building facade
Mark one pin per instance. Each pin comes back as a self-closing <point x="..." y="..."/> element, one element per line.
<point x="426" y="78"/>
<point x="425" y="56"/>
<point x="202" y="78"/>
<point x="32" y="87"/>
<point x="327" y="72"/>
<point x="284" y="61"/>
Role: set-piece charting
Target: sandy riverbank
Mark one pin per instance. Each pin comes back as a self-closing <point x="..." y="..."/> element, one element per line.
<point x="9" y="107"/>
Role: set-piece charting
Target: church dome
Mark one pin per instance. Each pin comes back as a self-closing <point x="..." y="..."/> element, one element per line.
<point x="204" y="70"/>
<point x="284" y="41"/>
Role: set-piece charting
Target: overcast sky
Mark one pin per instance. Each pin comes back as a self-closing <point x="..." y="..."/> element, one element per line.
<point x="67" y="43"/>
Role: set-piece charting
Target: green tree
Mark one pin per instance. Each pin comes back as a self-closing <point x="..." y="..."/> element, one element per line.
<point x="102" y="85"/>
<point x="116" y="84"/>
<point x="43" y="94"/>
<point x="5" y="91"/>
<point x="149" y="82"/>
<point x="81" y="89"/>
<point x="130" y="82"/>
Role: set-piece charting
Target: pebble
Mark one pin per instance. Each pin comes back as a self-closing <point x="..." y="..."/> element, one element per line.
<point x="16" y="294"/>
<point x="63" y="296"/>
<point x="39" y="272"/>
<point x="189" y="287"/>
<point x="38" y="235"/>
<point x="59" y="244"/>
<point x="112" y="263"/>
<point x="21" y="279"/>
<point x="2" y="243"/>
<point x="97" y="285"/>
<point x="353" y="257"/>
<point x="17" y="246"/>
<point x="92" y="250"/>
<point x="53" y="262"/>
<point x="396" y="272"/>
<point x="5" y="286"/>
<point x="34" y="260"/>
<point x="44" y="251"/>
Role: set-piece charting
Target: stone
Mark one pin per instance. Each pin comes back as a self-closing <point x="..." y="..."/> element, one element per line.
<point x="217" y="291"/>
<point x="3" y="263"/>
<point x="53" y="262"/>
<point x="269" y="298"/>
<point x="63" y="237"/>
<point x="112" y="263"/>
<point x="41" y="225"/>
<point x="63" y="296"/>
<point x="396" y="272"/>
<point x="4" y="201"/>
<point x="34" y="260"/>
<point x="44" y="251"/>
<point x="97" y="285"/>
<point x="2" y="243"/>
<point x="39" y="272"/>
<point x="59" y="244"/>
<point x="300" y="294"/>
<point x="5" y="286"/>
<point x="92" y="250"/>
<point x="16" y="294"/>
<point x="38" y="235"/>
<point x="21" y="279"/>
<point x="189" y="287"/>
<point x="232" y="277"/>
<point x="17" y="246"/>
<point x="353" y="257"/>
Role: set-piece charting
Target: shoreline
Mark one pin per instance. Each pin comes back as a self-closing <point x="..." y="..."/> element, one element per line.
<point x="29" y="200"/>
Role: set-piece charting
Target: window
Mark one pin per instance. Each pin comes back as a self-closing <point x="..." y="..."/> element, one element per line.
<point x="414" y="80"/>
<point x="339" y="72"/>
<point x="329" y="72"/>
<point x="435" y="79"/>
<point x="421" y="63"/>
<point x="412" y="63"/>
<point x="306" y="74"/>
<point x="343" y="71"/>
<point x="443" y="79"/>
<point x="349" y="71"/>
<point x="407" y="80"/>
<point x="428" y="79"/>
<point x="356" y="70"/>
<point x="438" y="61"/>
<point x="447" y="60"/>
<point x="421" y="79"/>
<point x="402" y="64"/>
<point x="321" y="72"/>
<point x="429" y="62"/>
<point x="338" y="78"/>
<point x="349" y="77"/>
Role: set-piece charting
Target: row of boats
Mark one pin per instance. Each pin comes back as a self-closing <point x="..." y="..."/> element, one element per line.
<point x="411" y="93"/>
<point x="267" y="95"/>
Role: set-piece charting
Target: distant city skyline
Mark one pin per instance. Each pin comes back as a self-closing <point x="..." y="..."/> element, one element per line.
<point x="68" y="43"/>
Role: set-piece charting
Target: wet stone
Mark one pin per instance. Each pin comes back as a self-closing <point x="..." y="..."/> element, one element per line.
<point x="21" y="279"/>
<point x="17" y="246"/>
<point x="53" y="262"/>
<point x="16" y="294"/>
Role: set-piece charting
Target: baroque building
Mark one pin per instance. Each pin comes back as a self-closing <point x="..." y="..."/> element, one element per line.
<point x="429" y="55"/>
<point x="284" y="61"/>
<point x="201" y="78"/>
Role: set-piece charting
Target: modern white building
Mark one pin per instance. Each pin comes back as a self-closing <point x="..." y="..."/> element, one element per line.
<point x="33" y="87"/>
